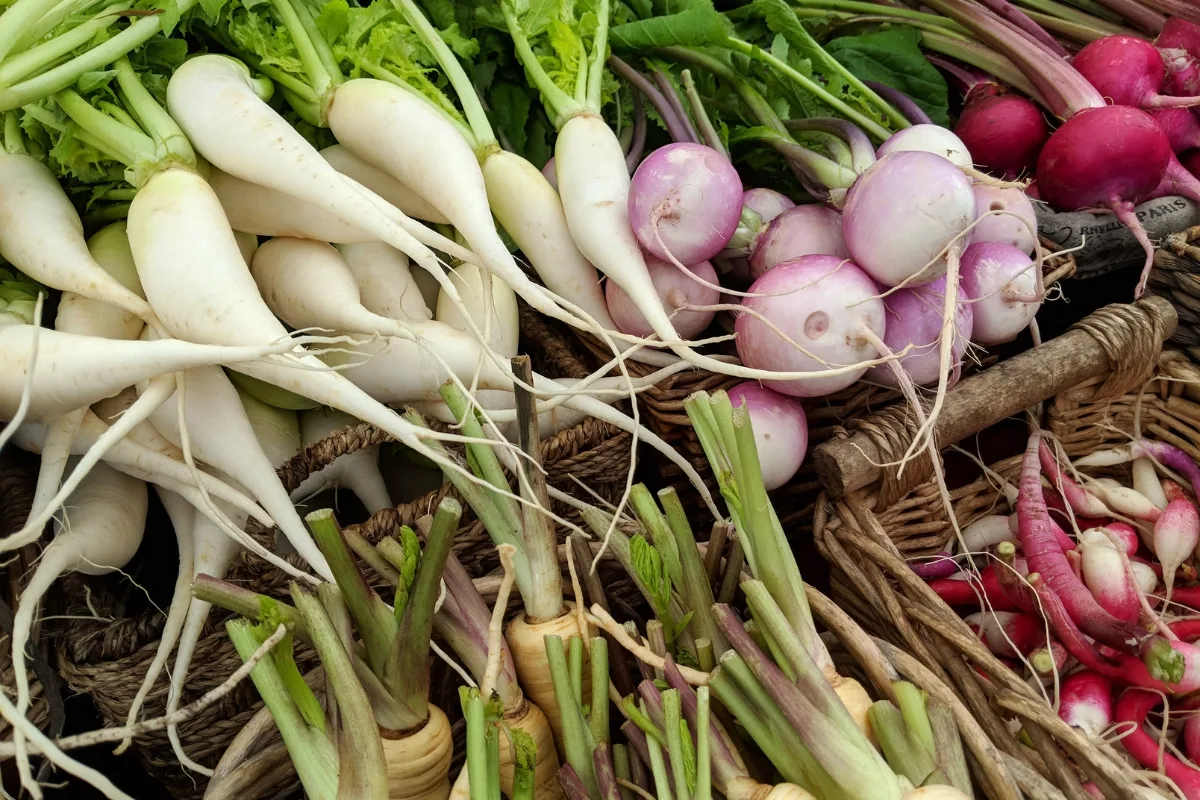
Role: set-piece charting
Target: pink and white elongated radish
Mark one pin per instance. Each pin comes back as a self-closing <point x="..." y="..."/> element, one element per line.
<point x="1128" y="71"/>
<point x="382" y="184"/>
<point x="805" y="230"/>
<point x="1176" y="534"/>
<point x="41" y="235"/>
<point x="221" y="435"/>
<point x="1082" y="501"/>
<point x="1086" y="702"/>
<point x="1162" y="453"/>
<point x="357" y="471"/>
<point x="385" y="284"/>
<point x="181" y="514"/>
<point x="100" y="533"/>
<point x="822" y="303"/>
<point x="913" y="316"/>
<point x="1146" y="482"/>
<point x="1124" y="500"/>
<point x="1132" y="708"/>
<point x="1125" y="535"/>
<point x="1105" y="576"/>
<point x="141" y="462"/>
<point x="685" y="200"/>
<point x="88" y="317"/>
<point x="1001" y="282"/>
<point x="1007" y="633"/>
<point x="488" y="302"/>
<point x="1006" y="215"/>
<point x="678" y="290"/>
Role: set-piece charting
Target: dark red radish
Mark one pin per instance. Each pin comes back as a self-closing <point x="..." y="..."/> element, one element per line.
<point x="1111" y="157"/>
<point x="1191" y="162"/>
<point x="1183" y="72"/>
<point x="1008" y="634"/>
<point x="1177" y="181"/>
<point x="1128" y="71"/>
<point x="1006" y="216"/>
<point x="677" y="290"/>
<point x="1132" y="708"/>
<point x="970" y="589"/>
<point x="823" y="304"/>
<point x="806" y="230"/>
<point x="1004" y="134"/>
<point x="1181" y="126"/>
<point x="1180" y="34"/>
<point x="914" y="316"/>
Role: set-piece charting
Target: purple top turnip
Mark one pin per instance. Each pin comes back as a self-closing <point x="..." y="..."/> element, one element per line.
<point x="684" y="202"/>
<point x="1020" y="230"/>
<point x="999" y="280"/>
<point x="914" y="316"/>
<point x="1003" y="132"/>
<point x="902" y="212"/>
<point x="801" y="231"/>
<point x="677" y="289"/>
<point x="766" y="203"/>
<point x="927" y="138"/>
<point x="780" y="430"/>
<point x="823" y="304"/>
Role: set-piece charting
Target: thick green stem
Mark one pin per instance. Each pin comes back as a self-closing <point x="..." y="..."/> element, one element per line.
<point x="320" y="79"/>
<point x="154" y="119"/>
<point x="375" y="622"/>
<point x="773" y="737"/>
<point x="1069" y="14"/>
<point x="899" y="12"/>
<point x="483" y="459"/>
<point x="598" y="713"/>
<point x="477" y="767"/>
<point x="37" y="58"/>
<point x="575" y="668"/>
<point x="693" y="583"/>
<point x="17" y="18"/>
<point x="406" y="672"/>
<point x="129" y="145"/>
<point x="362" y="773"/>
<point x="672" y="724"/>
<point x="658" y="768"/>
<point x="599" y="56"/>
<point x="904" y="754"/>
<point x="560" y="105"/>
<point x="577" y="738"/>
<point x="703" y="788"/>
<point x="980" y="57"/>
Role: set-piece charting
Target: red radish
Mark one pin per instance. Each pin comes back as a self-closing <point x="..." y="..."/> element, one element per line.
<point x="999" y="279"/>
<point x="903" y="212"/>
<point x="1183" y="73"/>
<point x="1008" y="634"/>
<point x="1132" y="708"/>
<point x="1064" y="541"/>
<point x="1017" y="225"/>
<point x="1172" y="490"/>
<point x="1186" y="629"/>
<point x="1126" y="534"/>
<point x="780" y="430"/>
<point x="1011" y="574"/>
<point x="1046" y="558"/>
<point x="914" y="316"/>
<point x="677" y="290"/>
<point x="1168" y="455"/>
<point x="685" y="202"/>
<point x="1049" y="660"/>
<point x="968" y="589"/>
<point x="1181" y="126"/>
<point x="1128" y="71"/>
<point x="1111" y="157"/>
<point x="1082" y="501"/>
<point x="823" y="304"/>
<point x="1087" y="702"/>
<point x="927" y="138"/>
<point x="1106" y="578"/>
<point x="800" y="231"/>
<point x="1180" y="34"/>
<point x="1003" y="132"/>
<point x="1060" y="513"/>
<point x="1176" y="534"/>
<point x="1191" y="736"/>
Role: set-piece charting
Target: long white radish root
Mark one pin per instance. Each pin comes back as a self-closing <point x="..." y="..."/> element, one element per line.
<point x="357" y="471"/>
<point x="498" y="308"/>
<point x="385" y="283"/>
<point x="382" y="184"/>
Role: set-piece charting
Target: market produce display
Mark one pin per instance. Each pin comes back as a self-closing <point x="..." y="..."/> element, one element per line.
<point x="233" y="230"/>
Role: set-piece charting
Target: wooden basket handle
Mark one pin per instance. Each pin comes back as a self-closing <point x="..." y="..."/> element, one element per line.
<point x="1121" y="339"/>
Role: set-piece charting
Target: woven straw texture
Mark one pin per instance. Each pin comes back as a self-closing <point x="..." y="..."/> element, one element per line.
<point x="868" y="536"/>
<point x="108" y="659"/>
<point x="1176" y="276"/>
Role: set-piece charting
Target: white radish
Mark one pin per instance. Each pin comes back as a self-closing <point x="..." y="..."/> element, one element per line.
<point x="385" y="283"/>
<point x="987" y="531"/>
<point x="221" y="435"/>
<point x="1124" y="500"/>
<point x="269" y="212"/>
<point x="99" y="534"/>
<point x="382" y="184"/>
<point x="495" y="312"/>
<point x="357" y="471"/>
<point x="1146" y="483"/>
<point x="246" y="242"/>
<point x="41" y="235"/>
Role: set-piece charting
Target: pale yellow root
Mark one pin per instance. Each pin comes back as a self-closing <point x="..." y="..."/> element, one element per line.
<point x="750" y="789"/>
<point x="527" y="644"/>
<point x="418" y="763"/>
<point x="856" y="700"/>
<point x="528" y="718"/>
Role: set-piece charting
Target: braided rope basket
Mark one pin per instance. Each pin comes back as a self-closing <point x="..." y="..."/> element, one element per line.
<point x="867" y="534"/>
<point x="1176" y="276"/>
<point x="663" y="406"/>
<point x="104" y="652"/>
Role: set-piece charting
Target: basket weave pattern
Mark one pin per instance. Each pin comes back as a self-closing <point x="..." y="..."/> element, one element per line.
<point x="868" y="538"/>
<point x="1176" y="276"/>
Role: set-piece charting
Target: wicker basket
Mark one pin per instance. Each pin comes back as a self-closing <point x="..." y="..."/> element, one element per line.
<point x="1176" y="276"/>
<point x="663" y="406"/>
<point x="868" y="533"/>
<point x="108" y="659"/>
